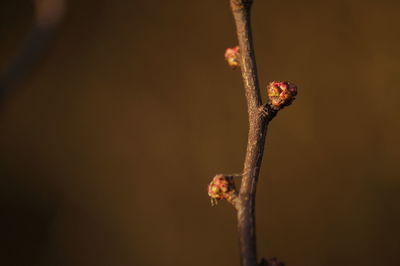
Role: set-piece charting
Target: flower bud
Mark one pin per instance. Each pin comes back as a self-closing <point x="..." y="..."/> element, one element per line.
<point x="281" y="94"/>
<point x="221" y="187"/>
<point x="232" y="56"/>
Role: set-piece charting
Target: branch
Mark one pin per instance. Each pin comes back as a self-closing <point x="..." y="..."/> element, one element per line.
<point x="256" y="136"/>
<point x="280" y="94"/>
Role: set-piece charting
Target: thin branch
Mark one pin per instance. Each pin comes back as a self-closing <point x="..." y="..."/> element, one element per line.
<point x="280" y="94"/>
<point x="256" y="136"/>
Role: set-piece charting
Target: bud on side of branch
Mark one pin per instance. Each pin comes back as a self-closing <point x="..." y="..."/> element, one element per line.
<point x="222" y="187"/>
<point x="281" y="94"/>
<point x="232" y="56"/>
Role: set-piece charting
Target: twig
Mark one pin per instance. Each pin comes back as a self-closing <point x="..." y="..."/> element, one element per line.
<point x="280" y="95"/>
<point x="256" y="135"/>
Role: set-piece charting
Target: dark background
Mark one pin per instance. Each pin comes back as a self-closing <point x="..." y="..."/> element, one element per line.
<point x="108" y="146"/>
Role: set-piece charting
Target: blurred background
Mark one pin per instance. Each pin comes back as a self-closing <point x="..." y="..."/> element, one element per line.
<point x="108" y="145"/>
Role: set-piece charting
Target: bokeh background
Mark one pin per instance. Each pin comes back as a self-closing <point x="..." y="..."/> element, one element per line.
<point x="108" y="145"/>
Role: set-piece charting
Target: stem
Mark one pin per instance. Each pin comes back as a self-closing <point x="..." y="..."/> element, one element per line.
<point x="280" y="95"/>
<point x="258" y="122"/>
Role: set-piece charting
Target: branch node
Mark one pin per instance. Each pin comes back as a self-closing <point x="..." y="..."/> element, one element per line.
<point x="264" y="110"/>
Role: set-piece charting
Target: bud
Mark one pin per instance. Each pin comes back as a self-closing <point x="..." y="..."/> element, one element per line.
<point x="232" y="56"/>
<point x="221" y="187"/>
<point x="281" y="94"/>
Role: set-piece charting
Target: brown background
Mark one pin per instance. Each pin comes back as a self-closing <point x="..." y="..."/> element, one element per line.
<point x="106" y="150"/>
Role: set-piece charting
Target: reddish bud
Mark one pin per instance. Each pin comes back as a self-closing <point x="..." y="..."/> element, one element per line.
<point x="281" y="94"/>
<point x="221" y="187"/>
<point x="232" y="56"/>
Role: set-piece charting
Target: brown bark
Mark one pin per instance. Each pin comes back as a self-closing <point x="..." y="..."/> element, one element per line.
<point x="259" y="116"/>
<point x="280" y="95"/>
